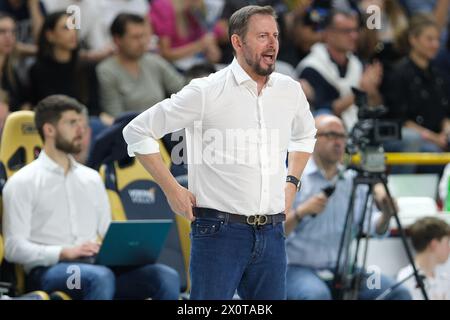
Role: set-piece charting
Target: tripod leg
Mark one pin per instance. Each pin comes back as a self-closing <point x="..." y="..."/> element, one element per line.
<point x="340" y="275"/>
<point x="358" y="275"/>
<point x="405" y="243"/>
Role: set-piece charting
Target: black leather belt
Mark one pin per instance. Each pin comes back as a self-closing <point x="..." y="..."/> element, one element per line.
<point x="254" y="220"/>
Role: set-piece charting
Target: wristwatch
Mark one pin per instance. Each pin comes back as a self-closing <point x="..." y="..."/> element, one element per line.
<point x="294" y="180"/>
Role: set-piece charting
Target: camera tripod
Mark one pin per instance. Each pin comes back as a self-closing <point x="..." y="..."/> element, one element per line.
<point x="348" y="278"/>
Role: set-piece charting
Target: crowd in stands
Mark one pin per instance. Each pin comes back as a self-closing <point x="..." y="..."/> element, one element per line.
<point x="128" y="55"/>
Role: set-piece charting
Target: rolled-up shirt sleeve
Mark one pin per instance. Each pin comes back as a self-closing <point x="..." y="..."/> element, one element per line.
<point x="181" y="110"/>
<point x="303" y="133"/>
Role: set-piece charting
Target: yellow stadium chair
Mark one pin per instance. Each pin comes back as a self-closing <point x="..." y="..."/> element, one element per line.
<point x="59" y="295"/>
<point x="20" y="145"/>
<point x="20" y="142"/>
<point x="133" y="194"/>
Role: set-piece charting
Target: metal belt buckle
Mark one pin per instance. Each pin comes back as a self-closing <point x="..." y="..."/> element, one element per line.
<point x="257" y="220"/>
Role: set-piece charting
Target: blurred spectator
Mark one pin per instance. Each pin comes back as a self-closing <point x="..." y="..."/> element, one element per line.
<point x="213" y="10"/>
<point x="430" y="238"/>
<point x="58" y="69"/>
<point x="93" y="43"/>
<point x="439" y="8"/>
<point x="97" y="17"/>
<point x="443" y="60"/>
<point x="112" y="8"/>
<point x="184" y="37"/>
<point x="332" y="69"/>
<point x="133" y="80"/>
<point x="300" y="30"/>
<point x="4" y="110"/>
<point x="9" y="80"/>
<point x="29" y="16"/>
<point x="383" y="44"/>
<point x="56" y="211"/>
<point x="387" y="44"/>
<point x="417" y="92"/>
<point x="316" y="223"/>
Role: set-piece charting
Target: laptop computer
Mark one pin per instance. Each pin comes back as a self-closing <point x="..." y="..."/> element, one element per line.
<point x="132" y="243"/>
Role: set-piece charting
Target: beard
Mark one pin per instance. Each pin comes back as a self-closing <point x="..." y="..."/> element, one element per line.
<point x="256" y="66"/>
<point x="67" y="146"/>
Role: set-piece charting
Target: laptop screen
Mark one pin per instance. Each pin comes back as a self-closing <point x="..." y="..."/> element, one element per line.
<point x="133" y="242"/>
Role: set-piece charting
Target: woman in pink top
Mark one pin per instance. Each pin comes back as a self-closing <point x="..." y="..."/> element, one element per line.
<point x="183" y="35"/>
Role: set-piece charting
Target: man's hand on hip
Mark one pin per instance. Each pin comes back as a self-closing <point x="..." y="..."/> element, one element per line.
<point x="181" y="201"/>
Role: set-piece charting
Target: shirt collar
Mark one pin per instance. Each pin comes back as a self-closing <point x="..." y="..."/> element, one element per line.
<point x="242" y="76"/>
<point x="50" y="164"/>
<point x="312" y="168"/>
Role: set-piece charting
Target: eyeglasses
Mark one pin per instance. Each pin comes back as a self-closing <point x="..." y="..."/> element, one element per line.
<point x="4" y="31"/>
<point x="333" y="135"/>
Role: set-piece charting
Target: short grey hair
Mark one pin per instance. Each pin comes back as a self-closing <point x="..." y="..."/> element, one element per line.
<point x="239" y="20"/>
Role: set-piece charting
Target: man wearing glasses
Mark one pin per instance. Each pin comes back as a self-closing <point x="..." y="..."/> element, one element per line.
<point x="332" y="69"/>
<point x="317" y="221"/>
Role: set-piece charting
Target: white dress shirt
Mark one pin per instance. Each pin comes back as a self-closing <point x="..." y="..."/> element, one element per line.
<point x="437" y="288"/>
<point x="46" y="210"/>
<point x="237" y="140"/>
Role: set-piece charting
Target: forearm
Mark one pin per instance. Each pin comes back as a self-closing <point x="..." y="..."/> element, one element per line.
<point x="385" y="205"/>
<point x="426" y="133"/>
<point x="342" y="104"/>
<point x="24" y="252"/>
<point x="412" y="125"/>
<point x="154" y="164"/>
<point x="446" y="126"/>
<point x="374" y="98"/>
<point x="296" y="164"/>
<point x="36" y="18"/>
<point x="383" y="223"/>
<point x="188" y="50"/>
<point x="26" y="49"/>
<point x="440" y="13"/>
<point x="96" y="55"/>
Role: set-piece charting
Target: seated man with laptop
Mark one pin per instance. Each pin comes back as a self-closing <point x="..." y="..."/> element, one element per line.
<point x="56" y="211"/>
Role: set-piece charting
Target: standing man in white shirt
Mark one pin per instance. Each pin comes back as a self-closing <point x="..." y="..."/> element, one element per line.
<point x="240" y="122"/>
<point x="56" y="209"/>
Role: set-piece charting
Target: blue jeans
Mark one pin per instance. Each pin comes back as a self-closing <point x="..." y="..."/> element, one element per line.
<point x="155" y="281"/>
<point x="303" y="283"/>
<point x="226" y="257"/>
